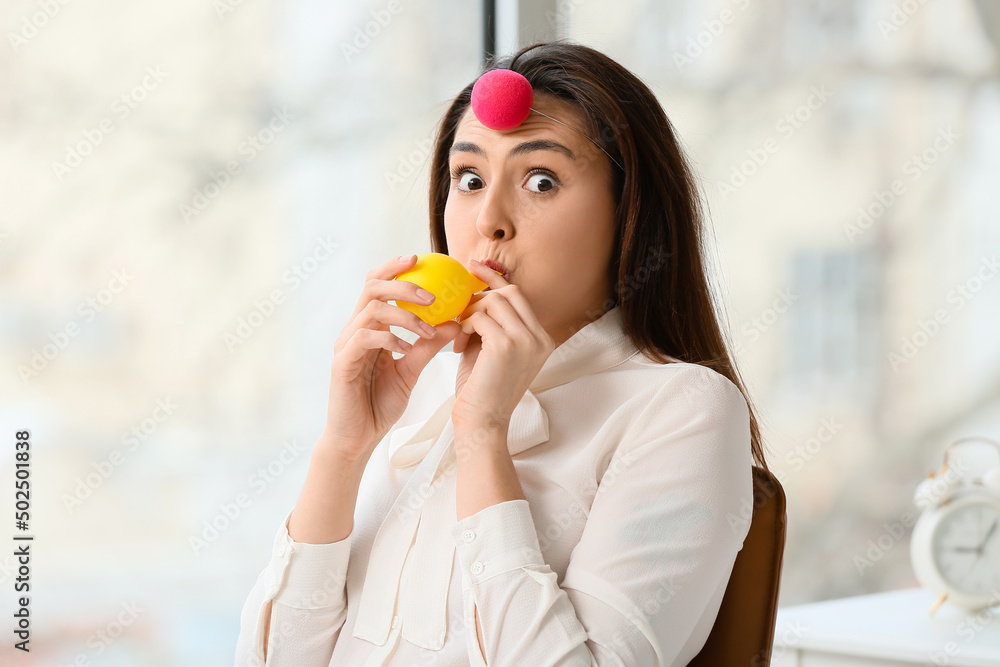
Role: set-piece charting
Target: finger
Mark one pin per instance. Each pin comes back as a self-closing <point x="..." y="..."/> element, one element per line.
<point x="364" y="341"/>
<point x="413" y="362"/>
<point x="386" y="271"/>
<point x="390" y="268"/>
<point x="486" y="274"/>
<point x="498" y="308"/>
<point x="461" y="342"/>
<point x="378" y="314"/>
<point x="509" y="309"/>
<point x="484" y="325"/>
<point x="513" y="296"/>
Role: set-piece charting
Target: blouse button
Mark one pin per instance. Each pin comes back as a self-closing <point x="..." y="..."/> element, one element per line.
<point x="395" y="621"/>
<point x="477" y="568"/>
<point x="469" y="535"/>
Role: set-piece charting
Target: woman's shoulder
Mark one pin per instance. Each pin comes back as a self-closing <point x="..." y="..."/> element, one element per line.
<point x="685" y="377"/>
<point x="693" y="405"/>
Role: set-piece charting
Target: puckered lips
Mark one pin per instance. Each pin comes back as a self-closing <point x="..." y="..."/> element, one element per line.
<point x="496" y="266"/>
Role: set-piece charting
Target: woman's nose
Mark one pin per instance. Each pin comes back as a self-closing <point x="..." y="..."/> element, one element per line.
<point x="494" y="220"/>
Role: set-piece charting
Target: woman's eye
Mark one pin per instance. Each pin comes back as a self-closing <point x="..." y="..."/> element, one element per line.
<point x="543" y="182"/>
<point x="465" y="179"/>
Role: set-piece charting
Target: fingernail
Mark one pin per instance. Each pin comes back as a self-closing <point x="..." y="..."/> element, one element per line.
<point x="425" y="295"/>
<point x="405" y="258"/>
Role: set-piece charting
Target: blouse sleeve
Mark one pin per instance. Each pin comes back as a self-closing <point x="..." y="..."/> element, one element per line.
<point x="658" y="547"/>
<point x="306" y="585"/>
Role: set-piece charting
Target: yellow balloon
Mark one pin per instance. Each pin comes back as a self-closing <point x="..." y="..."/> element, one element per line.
<point x="444" y="277"/>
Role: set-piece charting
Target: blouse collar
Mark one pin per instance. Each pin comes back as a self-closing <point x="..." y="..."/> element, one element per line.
<point x="426" y="505"/>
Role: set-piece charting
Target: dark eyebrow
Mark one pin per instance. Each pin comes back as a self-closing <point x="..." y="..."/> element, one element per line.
<point x="520" y="149"/>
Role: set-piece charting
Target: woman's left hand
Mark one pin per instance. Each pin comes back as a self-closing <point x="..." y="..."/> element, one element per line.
<point x="503" y="347"/>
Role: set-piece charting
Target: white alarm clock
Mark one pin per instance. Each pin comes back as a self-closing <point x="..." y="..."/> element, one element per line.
<point x="955" y="545"/>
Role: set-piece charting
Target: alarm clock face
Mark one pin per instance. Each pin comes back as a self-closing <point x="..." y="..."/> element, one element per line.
<point x="966" y="547"/>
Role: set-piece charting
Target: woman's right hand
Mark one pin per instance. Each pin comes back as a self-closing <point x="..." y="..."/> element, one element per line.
<point x="369" y="390"/>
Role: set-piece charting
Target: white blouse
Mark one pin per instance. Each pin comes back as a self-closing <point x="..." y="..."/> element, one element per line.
<point x="638" y="485"/>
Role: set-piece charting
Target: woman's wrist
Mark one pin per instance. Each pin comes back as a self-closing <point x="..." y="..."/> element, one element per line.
<point x="331" y="451"/>
<point x="324" y="512"/>
<point x="471" y="436"/>
<point x="479" y="424"/>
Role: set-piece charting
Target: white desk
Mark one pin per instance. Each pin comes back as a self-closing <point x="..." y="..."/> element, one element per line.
<point x="891" y="629"/>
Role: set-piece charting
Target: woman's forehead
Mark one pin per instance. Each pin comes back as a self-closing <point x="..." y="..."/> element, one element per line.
<point x="536" y="126"/>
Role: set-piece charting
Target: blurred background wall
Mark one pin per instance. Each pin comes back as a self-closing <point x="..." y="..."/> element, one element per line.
<point x="193" y="192"/>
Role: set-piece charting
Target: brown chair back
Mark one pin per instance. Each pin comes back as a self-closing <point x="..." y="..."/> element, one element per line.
<point x="743" y="632"/>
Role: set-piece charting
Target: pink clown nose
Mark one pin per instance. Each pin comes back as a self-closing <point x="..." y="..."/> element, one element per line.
<point x="501" y="99"/>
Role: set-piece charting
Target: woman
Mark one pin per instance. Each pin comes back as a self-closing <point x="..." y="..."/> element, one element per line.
<point x="566" y="487"/>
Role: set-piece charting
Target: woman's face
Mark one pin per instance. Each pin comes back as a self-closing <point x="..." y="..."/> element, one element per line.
<point x="537" y="200"/>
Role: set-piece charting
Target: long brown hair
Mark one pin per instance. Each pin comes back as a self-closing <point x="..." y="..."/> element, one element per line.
<point x="667" y="307"/>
